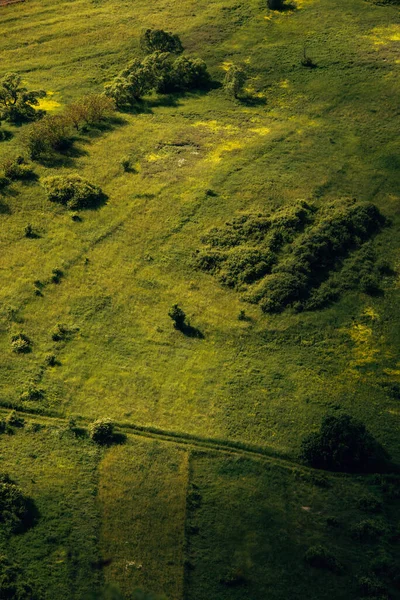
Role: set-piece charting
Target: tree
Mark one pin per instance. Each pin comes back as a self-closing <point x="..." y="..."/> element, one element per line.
<point x="276" y="4"/>
<point x="16" y="102"/>
<point x="90" y="110"/>
<point x="343" y="444"/>
<point x="132" y="83"/>
<point x="52" y="133"/>
<point x="154" y="40"/>
<point x="102" y="431"/>
<point x="190" y="74"/>
<point x="234" y="80"/>
<point x="178" y="316"/>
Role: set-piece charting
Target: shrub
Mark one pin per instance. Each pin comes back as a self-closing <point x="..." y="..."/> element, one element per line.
<point x="90" y="110"/>
<point x="343" y="444"/>
<point x="60" y="333"/>
<point x="368" y="530"/>
<point x="56" y="275"/>
<point x="14" y="420"/>
<point x="178" y="316"/>
<point x="319" y="557"/>
<point x="16" y="168"/>
<point x="32" y="393"/>
<point x="133" y="82"/>
<point x="13" y="585"/>
<point x="50" y="360"/>
<point x="51" y="134"/>
<point x="15" y="507"/>
<point x="21" y="344"/>
<point x="72" y="191"/>
<point x="190" y="74"/>
<point x="369" y="503"/>
<point x="16" y="102"/>
<point x="102" y="431"/>
<point x="154" y="40"/>
<point x="371" y="587"/>
<point x="234" y="80"/>
<point x="276" y="4"/>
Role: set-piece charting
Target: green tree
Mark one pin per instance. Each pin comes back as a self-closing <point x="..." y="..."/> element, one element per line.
<point x="234" y="80"/>
<point x="132" y="83"/>
<point x="154" y="40"/>
<point x="178" y="316"/>
<point x="16" y="102"/>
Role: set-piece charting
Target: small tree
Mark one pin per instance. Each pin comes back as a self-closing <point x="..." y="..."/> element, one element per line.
<point x="16" y="102"/>
<point x="51" y="134"/>
<point x="178" y="316"/>
<point x="154" y="40"/>
<point x="234" y="80"/>
<point x="102" y="431"/>
<point x="133" y="82"/>
<point x="90" y="110"/>
<point x="343" y="444"/>
<point x="276" y="4"/>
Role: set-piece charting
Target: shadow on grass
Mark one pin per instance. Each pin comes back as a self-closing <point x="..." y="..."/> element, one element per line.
<point x="252" y="100"/>
<point x="191" y="332"/>
<point x="4" y="209"/>
<point x="64" y="158"/>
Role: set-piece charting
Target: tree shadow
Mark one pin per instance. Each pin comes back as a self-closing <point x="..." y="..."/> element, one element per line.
<point x="252" y="100"/>
<point x="191" y="332"/>
<point x="65" y="158"/>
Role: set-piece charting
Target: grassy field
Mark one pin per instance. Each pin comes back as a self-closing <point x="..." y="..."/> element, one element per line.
<point x="200" y="160"/>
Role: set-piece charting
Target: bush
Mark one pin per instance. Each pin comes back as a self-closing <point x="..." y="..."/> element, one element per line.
<point x="32" y="393"/>
<point x="154" y="40"/>
<point x="276" y="4"/>
<point x="14" y="420"/>
<point x="369" y="503"/>
<point x="319" y="557"/>
<point x="13" y="585"/>
<point x="90" y="110"/>
<point x="72" y="191"/>
<point x="190" y="74"/>
<point x="16" y="168"/>
<point x="51" y="134"/>
<point x="234" y="80"/>
<point x="16" y="102"/>
<point x="60" y="333"/>
<point x="133" y="82"/>
<point x="15" y="508"/>
<point x="371" y="587"/>
<point x="21" y="344"/>
<point x="368" y="530"/>
<point x="102" y="431"/>
<point x="343" y="444"/>
<point x="178" y="316"/>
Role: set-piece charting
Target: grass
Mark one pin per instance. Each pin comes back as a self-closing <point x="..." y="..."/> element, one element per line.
<point x="198" y="160"/>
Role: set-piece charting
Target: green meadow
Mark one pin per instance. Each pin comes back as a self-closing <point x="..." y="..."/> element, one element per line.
<point x="206" y="498"/>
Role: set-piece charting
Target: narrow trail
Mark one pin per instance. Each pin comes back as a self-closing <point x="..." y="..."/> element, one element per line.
<point x="195" y="442"/>
<point x="6" y="2"/>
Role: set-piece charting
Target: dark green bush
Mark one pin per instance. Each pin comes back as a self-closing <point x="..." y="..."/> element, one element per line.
<point x="178" y="316"/>
<point x="369" y="530"/>
<point x="15" y="507"/>
<point x="13" y="584"/>
<point x="60" y="333"/>
<point x="21" y="344"/>
<point x="369" y="503"/>
<point x="89" y="110"/>
<point x="73" y="191"/>
<point x="321" y="558"/>
<point x="154" y="40"/>
<point x="371" y="587"/>
<point x="15" y="420"/>
<point x="32" y="393"/>
<point x="102" y="431"/>
<point x="234" y="80"/>
<point x="244" y="265"/>
<point x="56" y="275"/>
<point x="343" y="444"/>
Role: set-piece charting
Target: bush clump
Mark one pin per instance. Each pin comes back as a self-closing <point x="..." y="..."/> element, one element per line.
<point x="90" y="110"/>
<point x="234" y="80"/>
<point x="154" y="40"/>
<point x="102" y="431"/>
<point x="13" y="585"/>
<point x="368" y="530"/>
<point x="15" y="507"/>
<point x="72" y="191"/>
<point x="343" y="444"/>
<point x="321" y="558"/>
<point x="178" y="317"/>
<point x="21" y="343"/>
<point x="60" y="333"/>
<point x="17" y="168"/>
<point x="51" y="134"/>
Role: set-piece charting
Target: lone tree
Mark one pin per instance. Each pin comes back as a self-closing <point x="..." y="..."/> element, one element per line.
<point x="234" y="80"/>
<point x="343" y="444"/>
<point x="16" y="102"/>
<point x="178" y="317"/>
<point x="102" y="431"/>
<point x="154" y="40"/>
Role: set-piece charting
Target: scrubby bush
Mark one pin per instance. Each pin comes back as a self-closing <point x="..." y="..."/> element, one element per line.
<point x="178" y="316"/>
<point x="371" y="587"/>
<point x="51" y="134"/>
<point x="276" y="4"/>
<point x="369" y="503"/>
<point x="368" y="530"/>
<point x="90" y="110"/>
<point x="343" y="444"/>
<point x="32" y="393"/>
<point x="15" y="507"/>
<point x="321" y="558"/>
<point x="132" y="83"/>
<point x="16" y="102"/>
<point x="154" y="40"/>
<point x="102" y="431"/>
<point x="21" y="344"/>
<point x="189" y="74"/>
<point x="60" y="333"/>
<point x="14" y="420"/>
<point x="17" y="168"/>
<point x="234" y="80"/>
<point x="72" y="191"/>
<point x="13" y="584"/>
<point x="56" y="275"/>
<point x="244" y="265"/>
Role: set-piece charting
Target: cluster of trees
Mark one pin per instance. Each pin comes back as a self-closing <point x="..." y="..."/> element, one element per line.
<point x="17" y="103"/>
<point x="73" y="191"/>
